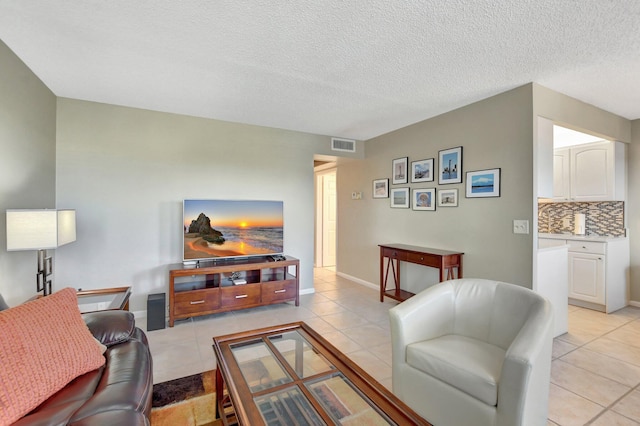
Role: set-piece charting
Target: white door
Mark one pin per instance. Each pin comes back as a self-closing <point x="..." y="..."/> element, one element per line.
<point x="329" y="213"/>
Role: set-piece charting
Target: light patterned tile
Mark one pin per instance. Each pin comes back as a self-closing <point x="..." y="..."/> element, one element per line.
<point x="560" y="348"/>
<point x="589" y="385"/>
<point x="621" y="372"/>
<point x="368" y="335"/>
<point x="342" y="320"/>
<point x="629" y="406"/>
<point x="568" y="409"/>
<point x="616" y="349"/>
<point x="611" y="418"/>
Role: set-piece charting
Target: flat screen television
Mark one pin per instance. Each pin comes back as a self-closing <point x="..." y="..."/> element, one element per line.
<point x="215" y="229"/>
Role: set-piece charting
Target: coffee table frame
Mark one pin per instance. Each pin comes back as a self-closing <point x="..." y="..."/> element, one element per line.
<point x="235" y="401"/>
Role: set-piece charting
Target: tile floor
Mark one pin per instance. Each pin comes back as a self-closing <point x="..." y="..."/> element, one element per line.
<point x="595" y="377"/>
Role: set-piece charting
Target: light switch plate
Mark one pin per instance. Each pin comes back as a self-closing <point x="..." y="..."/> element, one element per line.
<point x="520" y="226"/>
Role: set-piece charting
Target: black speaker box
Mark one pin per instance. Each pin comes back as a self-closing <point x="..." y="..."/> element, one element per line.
<point x="156" y="308"/>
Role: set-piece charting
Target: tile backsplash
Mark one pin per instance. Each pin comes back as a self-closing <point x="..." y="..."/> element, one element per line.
<point x="601" y="218"/>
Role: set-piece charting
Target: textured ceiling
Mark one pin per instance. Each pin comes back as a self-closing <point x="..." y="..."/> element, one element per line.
<point x="353" y="69"/>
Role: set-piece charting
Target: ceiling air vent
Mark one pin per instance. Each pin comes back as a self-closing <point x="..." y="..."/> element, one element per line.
<point x="346" y="145"/>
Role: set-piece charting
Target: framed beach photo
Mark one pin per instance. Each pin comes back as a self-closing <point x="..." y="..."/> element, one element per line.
<point x="400" y="198"/>
<point x="381" y="188"/>
<point x="450" y="166"/>
<point x="399" y="170"/>
<point x="448" y="198"/>
<point x="424" y="199"/>
<point x="422" y="170"/>
<point x="483" y="183"/>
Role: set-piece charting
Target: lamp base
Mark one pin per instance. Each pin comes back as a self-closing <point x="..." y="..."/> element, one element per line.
<point x="45" y="269"/>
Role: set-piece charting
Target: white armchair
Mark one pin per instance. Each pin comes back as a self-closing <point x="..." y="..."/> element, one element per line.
<point x="473" y="352"/>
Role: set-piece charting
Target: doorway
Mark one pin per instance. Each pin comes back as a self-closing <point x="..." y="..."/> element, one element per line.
<point x="326" y="217"/>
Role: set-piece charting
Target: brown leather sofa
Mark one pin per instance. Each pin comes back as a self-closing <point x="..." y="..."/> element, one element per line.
<point x="118" y="393"/>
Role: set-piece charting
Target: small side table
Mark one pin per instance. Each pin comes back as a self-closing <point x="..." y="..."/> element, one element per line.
<point x="104" y="299"/>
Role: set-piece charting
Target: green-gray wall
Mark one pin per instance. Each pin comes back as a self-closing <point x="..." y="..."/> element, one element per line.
<point x="126" y="172"/>
<point x="27" y="164"/>
<point x="633" y="208"/>
<point x="570" y="112"/>
<point x="494" y="133"/>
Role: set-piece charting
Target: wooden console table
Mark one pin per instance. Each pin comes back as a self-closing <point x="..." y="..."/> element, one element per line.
<point x="444" y="260"/>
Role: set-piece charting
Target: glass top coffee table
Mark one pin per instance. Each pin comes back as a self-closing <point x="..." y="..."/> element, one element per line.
<point x="290" y="375"/>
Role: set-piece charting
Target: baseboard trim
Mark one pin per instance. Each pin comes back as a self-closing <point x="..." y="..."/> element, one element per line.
<point x="634" y="303"/>
<point x="359" y="281"/>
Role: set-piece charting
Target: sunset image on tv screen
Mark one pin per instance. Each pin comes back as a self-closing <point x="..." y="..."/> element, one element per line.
<point x="223" y="228"/>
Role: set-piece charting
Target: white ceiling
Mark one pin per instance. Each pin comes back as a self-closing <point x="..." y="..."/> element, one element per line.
<point x="354" y="69"/>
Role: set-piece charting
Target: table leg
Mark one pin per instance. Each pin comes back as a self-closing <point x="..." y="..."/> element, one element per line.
<point x="219" y="392"/>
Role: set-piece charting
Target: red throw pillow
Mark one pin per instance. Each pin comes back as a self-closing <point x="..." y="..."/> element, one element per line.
<point x="44" y="344"/>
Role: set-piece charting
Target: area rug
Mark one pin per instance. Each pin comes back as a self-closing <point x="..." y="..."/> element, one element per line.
<point x="188" y="401"/>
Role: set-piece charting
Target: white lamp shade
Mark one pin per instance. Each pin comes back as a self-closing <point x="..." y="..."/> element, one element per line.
<point x="40" y="229"/>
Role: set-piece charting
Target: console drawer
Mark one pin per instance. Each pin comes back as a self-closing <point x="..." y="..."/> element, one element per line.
<point x="240" y="295"/>
<point x="190" y="302"/>
<point x="423" y="259"/>
<point x="394" y="254"/>
<point x="281" y="290"/>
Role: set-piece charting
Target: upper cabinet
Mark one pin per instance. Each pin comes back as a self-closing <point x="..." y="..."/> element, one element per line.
<point x="590" y="172"/>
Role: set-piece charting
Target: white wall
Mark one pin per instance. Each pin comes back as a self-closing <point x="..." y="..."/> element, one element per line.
<point x="27" y="164"/>
<point x="126" y="172"/>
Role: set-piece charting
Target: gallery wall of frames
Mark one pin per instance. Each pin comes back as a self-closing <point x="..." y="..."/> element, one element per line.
<point x="422" y="175"/>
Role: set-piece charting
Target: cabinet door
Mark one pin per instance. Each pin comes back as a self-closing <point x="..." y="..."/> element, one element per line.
<point x="586" y="277"/>
<point x="592" y="172"/>
<point x="561" y="175"/>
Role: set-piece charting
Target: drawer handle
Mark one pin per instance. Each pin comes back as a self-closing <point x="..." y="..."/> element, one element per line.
<point x="241" y="296"/>
<point x="280" y="291"/>
<point x="584" y="247"/>
<point x="196" y="302"/>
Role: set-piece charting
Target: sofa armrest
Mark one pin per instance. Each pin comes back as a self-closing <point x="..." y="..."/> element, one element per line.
<point x="110" y="327"/>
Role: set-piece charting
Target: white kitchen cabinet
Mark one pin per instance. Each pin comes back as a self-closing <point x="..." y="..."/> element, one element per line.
<point x="598" y="271"/>
<point x="589" y="172"/>
<point x="586" y="277"/>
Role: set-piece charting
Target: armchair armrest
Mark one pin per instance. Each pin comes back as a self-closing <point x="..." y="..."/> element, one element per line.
<point x="110" y="327"/>
<point x="427" y="315"/>
<point x="525" y="375"/>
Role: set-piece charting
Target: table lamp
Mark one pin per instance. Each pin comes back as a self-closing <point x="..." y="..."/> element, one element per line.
<point x="40" y="229"/>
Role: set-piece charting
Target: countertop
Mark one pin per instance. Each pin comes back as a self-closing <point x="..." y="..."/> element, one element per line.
<point x="595" y="238"/>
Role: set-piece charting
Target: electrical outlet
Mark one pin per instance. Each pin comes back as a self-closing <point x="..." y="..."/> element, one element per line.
<point x="520" y="226"/>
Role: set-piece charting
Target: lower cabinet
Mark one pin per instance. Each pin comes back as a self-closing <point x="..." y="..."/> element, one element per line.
<point x="586" y="277"/>
<point x="598" y="272"/>
<point x="231" y="285"/>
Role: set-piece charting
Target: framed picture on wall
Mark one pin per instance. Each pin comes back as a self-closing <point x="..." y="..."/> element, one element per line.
<point x="381" y="188"/>
<point x="399" y="170"/>
<point x="424" y="199"/>
<point x="448" y="198"/>
<point x="450" y="166"/>
<point x="400" y="198"/>
<point x="483" y="183"/>
<point x="422" y="170"/>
